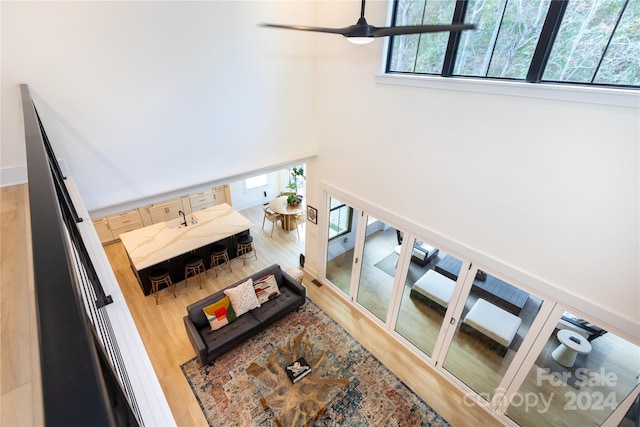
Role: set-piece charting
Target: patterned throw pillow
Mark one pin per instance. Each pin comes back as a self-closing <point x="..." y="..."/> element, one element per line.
<point x="220" y="313"/>
<point x="266" y="288"/>
<point x="243" y="297"/>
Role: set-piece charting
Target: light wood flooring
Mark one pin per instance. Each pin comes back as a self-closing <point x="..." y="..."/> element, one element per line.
<point x="20" y="383"/>
<point x="477" y="364"/>
<point x="162" y="330"/>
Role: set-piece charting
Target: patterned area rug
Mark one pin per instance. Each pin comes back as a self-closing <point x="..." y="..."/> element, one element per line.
<point x="228" y="396"/>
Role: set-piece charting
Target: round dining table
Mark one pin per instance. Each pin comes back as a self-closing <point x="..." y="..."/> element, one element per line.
<point x="279" y="205"/>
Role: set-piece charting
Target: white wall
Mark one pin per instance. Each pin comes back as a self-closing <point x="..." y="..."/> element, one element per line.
<point x="242" y="198"/>
<point x="141" y="98"/>
<point x="548" y="188"/>
<point x="145" y="98"/>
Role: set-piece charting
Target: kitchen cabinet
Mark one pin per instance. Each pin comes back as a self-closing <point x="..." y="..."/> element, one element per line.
<point x="102" y="228"/>
<point x="201" y="200"/>
<point x="164" y="211"/>
<point x="110" y="227"/>
<point x="124" y="221"/>
<point x="221" y="194"/>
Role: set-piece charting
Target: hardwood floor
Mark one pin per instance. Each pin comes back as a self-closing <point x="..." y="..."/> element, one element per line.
<point x="162" y="330"/>
<point x="20" y="382"/>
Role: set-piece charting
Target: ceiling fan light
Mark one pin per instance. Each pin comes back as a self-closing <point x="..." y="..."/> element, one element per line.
<point x="360" y="40"/>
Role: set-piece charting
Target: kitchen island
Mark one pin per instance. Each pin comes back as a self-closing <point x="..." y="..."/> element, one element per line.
<point x="168" y="244"/>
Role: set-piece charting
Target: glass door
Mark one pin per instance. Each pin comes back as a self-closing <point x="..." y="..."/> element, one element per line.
<point x="341" y="240"/>
<point x="426" y="295"/>
<point x="492" y="320"/>
<point x="580" y="373"/>
<point x="378" y="267"/>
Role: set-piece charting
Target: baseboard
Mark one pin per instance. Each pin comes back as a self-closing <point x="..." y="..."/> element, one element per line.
<point x="13" y="175"/>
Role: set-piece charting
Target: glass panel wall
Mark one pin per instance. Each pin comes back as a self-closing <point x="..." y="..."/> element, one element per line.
<point x="494" y="322"/>
<point x="378" y="268"/>
<point x="579" y="378"/>
<point x="341" y="241"/>
<point x="425" y="297"/>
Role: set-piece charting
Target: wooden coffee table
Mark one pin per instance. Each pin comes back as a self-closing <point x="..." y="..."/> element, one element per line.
<point x="297" y="404"/>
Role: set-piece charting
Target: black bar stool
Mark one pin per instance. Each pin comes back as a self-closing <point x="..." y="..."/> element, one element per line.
<point x="193" y="266"/>
<point x="220" y="258"/>
<point x="245" y="247"/>
<point x="159" y="276"/>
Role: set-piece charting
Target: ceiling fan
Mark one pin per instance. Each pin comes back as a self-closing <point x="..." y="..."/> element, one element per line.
<point x="362" y="32"/>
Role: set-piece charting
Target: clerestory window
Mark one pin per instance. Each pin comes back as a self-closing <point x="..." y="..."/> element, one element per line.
<point x="594" y="42"/>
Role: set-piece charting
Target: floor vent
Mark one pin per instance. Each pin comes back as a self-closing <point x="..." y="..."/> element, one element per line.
<point x="315" y="282"/>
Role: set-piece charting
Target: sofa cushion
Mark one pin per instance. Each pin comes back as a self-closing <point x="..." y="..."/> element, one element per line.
<point x="222" y="340"/>
<point x="220" y="313"/>
<point x="196" y="315"/>
<point x="266" y="288"/>
<point x="278" y="307"/>
<point x="243" y="297"/>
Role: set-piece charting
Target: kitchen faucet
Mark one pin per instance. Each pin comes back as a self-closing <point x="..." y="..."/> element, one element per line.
<point x="184" y="218"/>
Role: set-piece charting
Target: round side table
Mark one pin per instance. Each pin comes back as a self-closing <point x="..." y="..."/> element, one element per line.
<point x="571" y="344"/>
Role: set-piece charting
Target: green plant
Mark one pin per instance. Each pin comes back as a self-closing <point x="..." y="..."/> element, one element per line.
<point x="292" y="199"/>
<point x="292" y="185"/>
<point x="296" y="174"/>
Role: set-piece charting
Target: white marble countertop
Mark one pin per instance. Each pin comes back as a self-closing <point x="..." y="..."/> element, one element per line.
<point x="156" y="243"/>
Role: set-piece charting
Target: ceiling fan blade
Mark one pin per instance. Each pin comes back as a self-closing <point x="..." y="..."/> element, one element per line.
<point x="418" y="29"/>
<point x="341" y="31"/>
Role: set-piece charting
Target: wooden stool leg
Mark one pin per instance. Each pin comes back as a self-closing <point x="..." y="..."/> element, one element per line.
<point x="228" y="261"/>
<point x="154" y="290"/>
<point x="172" y="286"/>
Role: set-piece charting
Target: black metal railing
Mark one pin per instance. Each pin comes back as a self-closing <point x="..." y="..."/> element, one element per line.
<point x="84" y="380"/>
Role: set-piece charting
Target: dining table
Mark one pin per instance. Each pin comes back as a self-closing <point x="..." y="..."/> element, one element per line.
<point x="289" y="212"/>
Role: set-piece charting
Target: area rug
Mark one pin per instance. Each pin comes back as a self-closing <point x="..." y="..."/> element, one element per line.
<point x="374" y="397"/>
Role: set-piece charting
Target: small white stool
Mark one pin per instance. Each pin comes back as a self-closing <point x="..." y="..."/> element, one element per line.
<point x="566" y="353"/>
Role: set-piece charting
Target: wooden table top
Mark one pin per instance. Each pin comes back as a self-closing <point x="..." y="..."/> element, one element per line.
<point x="279" y="205"/>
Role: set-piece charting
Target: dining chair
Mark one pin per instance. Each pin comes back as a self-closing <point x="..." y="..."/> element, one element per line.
<point x="272" y="217"/>
<point x="298" y="220"/>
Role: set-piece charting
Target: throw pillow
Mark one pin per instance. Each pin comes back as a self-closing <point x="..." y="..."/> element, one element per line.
<point x="266" y="288"/>
<point x="220" y="313"/>
<point x="243" y="297"/>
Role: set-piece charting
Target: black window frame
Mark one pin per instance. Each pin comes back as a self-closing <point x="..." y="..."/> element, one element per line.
<point x="542" y="51"/>
<point x="349" y="219"/>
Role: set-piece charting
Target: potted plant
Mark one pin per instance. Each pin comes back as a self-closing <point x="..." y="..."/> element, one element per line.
<point x="297" y="173"/>
<point x="292" y="199"/>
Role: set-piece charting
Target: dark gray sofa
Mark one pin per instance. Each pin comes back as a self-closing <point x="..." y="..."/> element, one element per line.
<point x="209" y="345"/>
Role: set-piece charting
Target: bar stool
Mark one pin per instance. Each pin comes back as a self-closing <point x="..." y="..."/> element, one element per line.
<point x="245" y="246"/>
<point x="219" y="253"/>
<point x="159" y="276"/>
<point x="193" y="266"/>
